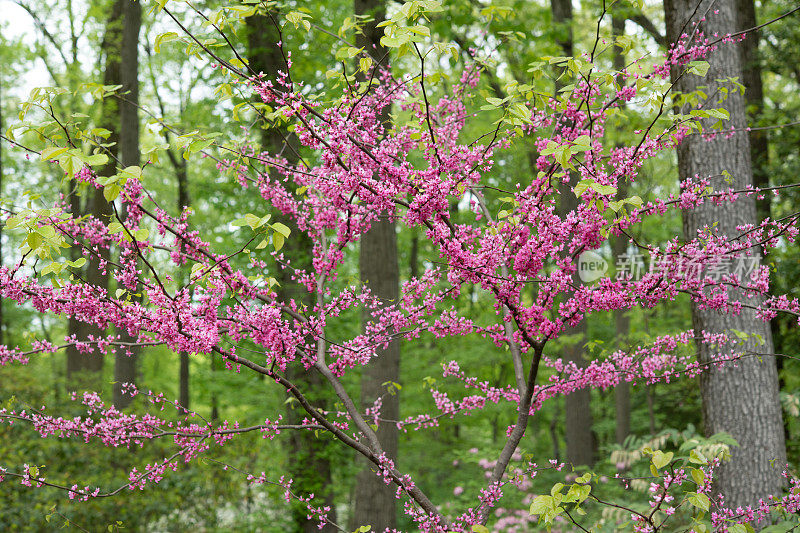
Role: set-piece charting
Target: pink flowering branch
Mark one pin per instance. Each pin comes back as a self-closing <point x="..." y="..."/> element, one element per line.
<point x="366" y="171"/>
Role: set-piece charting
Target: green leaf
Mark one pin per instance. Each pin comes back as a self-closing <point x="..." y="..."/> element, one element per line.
<point x="634" y="200"/>
<point x="661" y="459"/>
<point x="164" y="38"/>
<point x="96" y="160"/>
<point x="605" y="190"/>
<point x="277" y="241"/>
<point x="698" y="476"/>
<point x="577" y="493"/>
<point x="541" y="505"/>
<point x="48" y="232"/>
<point x="283" y="229"/>
<point x="477" y="528"/>
<point x="13" y="222"/>
<point x="394" y="42"/>
<point x="111" y="192"/>
<point x="132" y="172"/>
<point x="252" y="220"/>
<point x="584" y="143"/>
<point x="581" y="187"/>
<point x="52" y="152"/>
<point x="698" y="67"/>
<point x="34" y="240"/>
<point x="697" y="457"/>
<point x="699" y="500"/>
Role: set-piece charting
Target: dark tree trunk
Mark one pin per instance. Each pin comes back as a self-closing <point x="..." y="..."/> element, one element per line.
<point x="622" y="392"/>
<point x="375" y="501"/>
<point x="754" y="100"/>
<point x="310" y="457"/>
<point x="622" y="323"/>
<point x="84" y="370"/>
<point x="741" y="400"/>
<point x="214" y="399"/>
<point x="182" y="174"/>
<point x="129" y="155"/>
<point x="579" y="438"/>
<point x="759" y="139"/>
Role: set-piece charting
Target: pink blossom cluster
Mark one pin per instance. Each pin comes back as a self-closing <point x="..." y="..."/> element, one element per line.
<point x="410" y="172"/>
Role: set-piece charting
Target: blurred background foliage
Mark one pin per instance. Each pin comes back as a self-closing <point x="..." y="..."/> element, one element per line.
<point x="446" y="461"/>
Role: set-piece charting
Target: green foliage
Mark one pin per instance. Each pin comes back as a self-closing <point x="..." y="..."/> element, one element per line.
<point x="201" y="109"/>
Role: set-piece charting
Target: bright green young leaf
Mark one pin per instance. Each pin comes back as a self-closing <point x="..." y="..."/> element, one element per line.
<point x="541" y="505"/>
<point x="52" y="152"/>
<point x="283" y="229"/>
<point x="698" y="67"/>
<point x="34" y="240"/>
<point x="164" y="38"/>
<point x="699" y="500"/>
<point x="277" y="241"/>
<point x="111" y="192"/>
<point x="661" y="459"/>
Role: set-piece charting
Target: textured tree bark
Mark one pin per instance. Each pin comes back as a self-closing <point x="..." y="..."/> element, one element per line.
<point x="375" y="501"/>
<point x="182" y="175"/>
<point x="622" y="392"/>
<point x="741" y="400"/>
<point x="579" y="438"/>
<point x="622" y="323"/>
<point x="129" y="155"/>
<point x="759" y="139"/>
<point x="310" y="457"/>
<point x="754" y="100"/>
<point x="84" y="370"/>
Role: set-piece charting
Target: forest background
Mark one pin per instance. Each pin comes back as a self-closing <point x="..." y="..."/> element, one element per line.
<point x="67" y="44"/>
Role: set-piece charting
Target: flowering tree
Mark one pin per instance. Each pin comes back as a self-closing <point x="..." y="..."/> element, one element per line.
<point x="355" y="169"/>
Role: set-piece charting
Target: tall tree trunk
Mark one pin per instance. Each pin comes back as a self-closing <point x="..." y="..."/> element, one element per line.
<point x="180" y="166"/>
<point x="375" y="501"/>
<point x="85" y="370"/>
<point x="182" y="174"/>
<point x="759" y="139"/>
<point x="579" y="438"/>
<point x="741" y="400"/>
<point x="622" y="323"/>
<point x="754" y="100"/>
<point x="310" y="457"/>
<point x="129" y="155"/>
